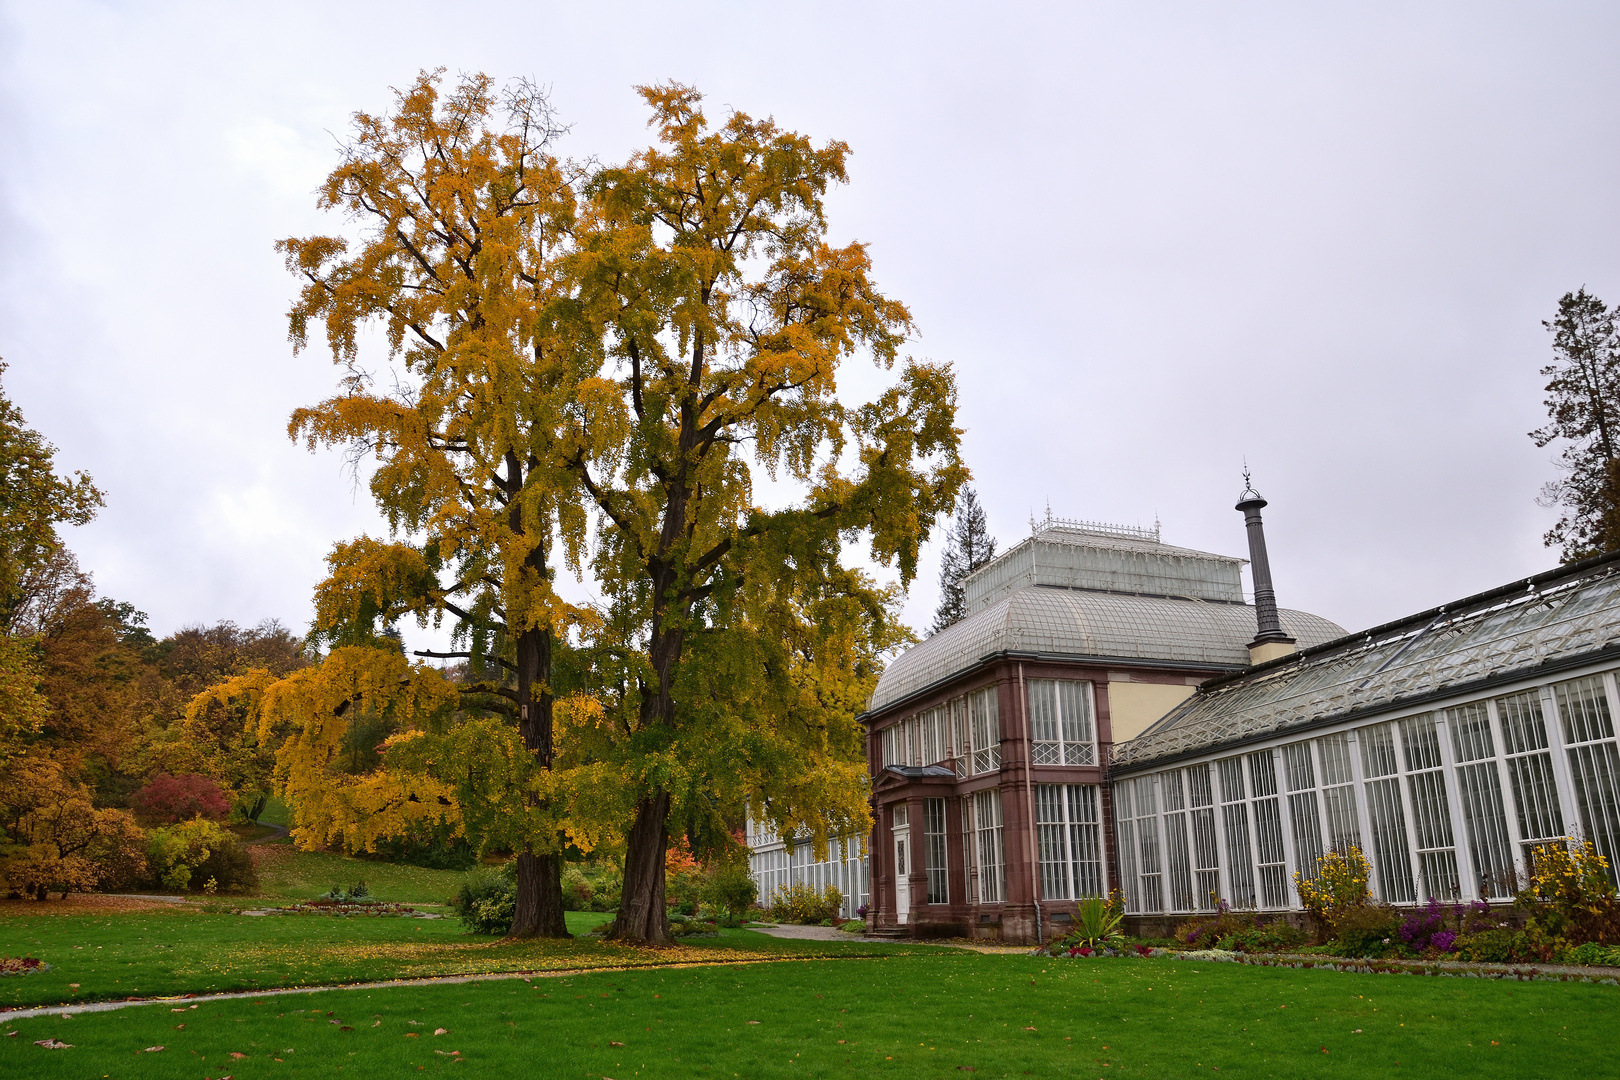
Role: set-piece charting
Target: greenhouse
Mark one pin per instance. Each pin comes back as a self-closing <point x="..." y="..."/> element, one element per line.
<point x="1446" y="746"/>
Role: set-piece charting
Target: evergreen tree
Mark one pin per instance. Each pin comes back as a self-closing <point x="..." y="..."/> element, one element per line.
<point x="968" y="546"/>
<point x="1583" y="406"/>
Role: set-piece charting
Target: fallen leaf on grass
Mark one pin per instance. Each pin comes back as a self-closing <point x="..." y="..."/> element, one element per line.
<point x="612" y="1043"/>
<point x="1029" y="1029"/>
<point x="376" y="1023"/>
<point x="73" y="986"/>
<point x="177" y="1010"/>
<point x="53" y="1044"/>
<point x="11" y="1034"/>
<point x="345" y="1027"/>
<point x="179" y="1027"/>
<point x="412" y="1035"/>
<point x="236" y="1056"/>
<point x="753" y="1021"/>
<point x="448" y="1053"/>
<point x="152" y="1049"/>
<point x="441" y="1031"/>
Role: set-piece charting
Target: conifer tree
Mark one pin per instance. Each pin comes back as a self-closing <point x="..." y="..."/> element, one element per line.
<point x="968" y="546"/>
<point x="1583" y="407"/>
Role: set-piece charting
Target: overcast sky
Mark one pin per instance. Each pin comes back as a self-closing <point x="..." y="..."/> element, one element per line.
<point x="1153" y="240"/>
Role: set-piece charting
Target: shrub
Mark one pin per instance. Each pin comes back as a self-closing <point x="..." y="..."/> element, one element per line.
<point x="730" y="888"/>
<point x="1339" y="884"/>
<point x="1264" y="937"/>
<point x="1593" y="953"/>
<point x="591" y="886"/>
<point x="1368" y="930"/>
<point x="199" y="855"/>
<point x="487" y="898"/>
<point x="802" y="903"/>
<point x="1499" y="946"/>
<point x="1570" y="896"/>
<point x="168" y="799"/>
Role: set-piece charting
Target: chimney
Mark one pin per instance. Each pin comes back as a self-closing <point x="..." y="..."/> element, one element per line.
<point x="1269" y="642"/>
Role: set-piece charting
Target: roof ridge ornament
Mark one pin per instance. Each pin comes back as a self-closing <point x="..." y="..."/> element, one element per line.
<point x="1039" y="527"/>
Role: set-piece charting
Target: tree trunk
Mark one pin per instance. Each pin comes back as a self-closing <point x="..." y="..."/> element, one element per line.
<point x="642" y="919"/>
<point x="539" y="911"/>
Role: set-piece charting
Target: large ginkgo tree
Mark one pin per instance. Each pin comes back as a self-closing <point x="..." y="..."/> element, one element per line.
<point x="458" y="215"/>
<point x="737" y="644"/>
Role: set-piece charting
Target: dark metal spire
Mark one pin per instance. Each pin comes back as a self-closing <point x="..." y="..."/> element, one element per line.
<point x="1270" y="631"/>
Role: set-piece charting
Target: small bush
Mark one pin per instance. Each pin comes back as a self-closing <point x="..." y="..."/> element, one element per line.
<point x="487" y="898"/>
<point x="1570" y="897"/>
<point x="194" y="853"/>
<point x="1499" y="946"/>
<point x="591" y="886"/>
<point x="167" y="799"/>
<point x="1276" y="936"/>
<point x="1339" y="884"/>
<point x="1372" y="930"/>
<point x="730" y="889"/>
<point x="802" y="903"/>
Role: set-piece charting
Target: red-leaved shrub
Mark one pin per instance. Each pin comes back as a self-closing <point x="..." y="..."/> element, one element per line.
<point x="167" y="799"/>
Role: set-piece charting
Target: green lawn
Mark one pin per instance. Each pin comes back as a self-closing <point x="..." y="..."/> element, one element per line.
<point x="288" y="874"/>
<point x="932" y="1013"/>
<point x="185" y="950"/>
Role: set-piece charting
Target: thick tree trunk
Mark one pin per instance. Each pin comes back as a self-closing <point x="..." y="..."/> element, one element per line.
<point x="539" y="911"/>
<point x="642" y="919"/>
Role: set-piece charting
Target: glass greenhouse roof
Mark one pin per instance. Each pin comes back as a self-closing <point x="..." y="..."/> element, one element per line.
<point x="1081" y="625"/>
<point x="1560" y="616"/>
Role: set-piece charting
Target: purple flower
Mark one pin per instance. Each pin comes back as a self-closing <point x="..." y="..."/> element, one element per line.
<point x="1443" y="940"/>
<point x="860" y="912"/>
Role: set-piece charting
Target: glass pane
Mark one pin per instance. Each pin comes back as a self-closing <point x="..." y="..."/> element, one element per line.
<point x="1075" y="706"/>
<point x="1043" y="723"/>
<point x="1231" y="770"/>
<point x="1178" y="864"/>
<point x="1170" y="790"/>
<point x="1522" y="727"/>
<point x="1594" y="771"/>
<point x="1391" y="860"/>
<point x="1471" y="732"/>
<point x="1198" y="786"/>
<point x="1335" y="753"/>
<point x="1240" y="866"/>
<point x="1488" y="844"/>
<point x="1297" y="763"/>
<point x="1302" y="815"/>
<point x="1421" y="741"/>
<point x="1262" y="774"/>
<point x="1535" y="797"/>
<point x="1584" y="709"/>
<point x="1377" y="750"/>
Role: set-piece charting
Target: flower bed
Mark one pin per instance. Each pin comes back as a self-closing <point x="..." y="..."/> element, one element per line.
<point x="22" y="965"/>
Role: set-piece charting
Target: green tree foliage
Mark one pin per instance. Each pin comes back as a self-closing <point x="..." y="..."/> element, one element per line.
<point x="737" y="646"/>
<point x="968" y="546"/>
<point x="1583" y="409"/>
